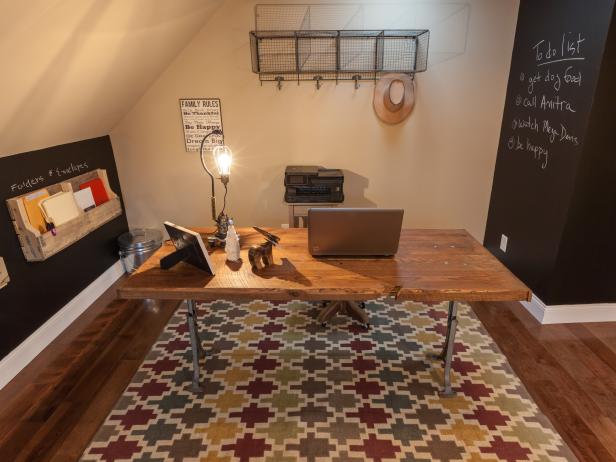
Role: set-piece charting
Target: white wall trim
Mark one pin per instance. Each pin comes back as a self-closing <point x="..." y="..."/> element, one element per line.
<point x="560" y="314"/>
<point x="27" y="350"/>
<point x="535" y="307"/>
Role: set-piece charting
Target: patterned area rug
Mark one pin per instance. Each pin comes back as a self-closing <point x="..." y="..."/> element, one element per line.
<point x="279" y="387"/>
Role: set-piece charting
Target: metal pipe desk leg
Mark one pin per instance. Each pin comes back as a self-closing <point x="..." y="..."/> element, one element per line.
<point x="195" y="343"/>
<point x="452" y="324"/>
<point x="443" y="352"/>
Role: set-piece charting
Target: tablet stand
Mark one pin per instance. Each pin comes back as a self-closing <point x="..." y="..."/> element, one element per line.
<point x="178" y="256"/>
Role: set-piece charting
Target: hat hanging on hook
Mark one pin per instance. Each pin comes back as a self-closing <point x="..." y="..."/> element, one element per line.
<point x="394" y="97"/>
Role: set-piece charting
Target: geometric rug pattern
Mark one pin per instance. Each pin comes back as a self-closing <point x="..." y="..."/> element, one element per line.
<point x="279" y="387"/>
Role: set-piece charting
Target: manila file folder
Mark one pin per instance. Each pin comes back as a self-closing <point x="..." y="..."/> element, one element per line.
<point x="31" y="204"/>
<point x="60" y="208"/>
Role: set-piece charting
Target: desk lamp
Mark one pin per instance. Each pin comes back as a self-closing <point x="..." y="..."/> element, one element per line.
<point x="222" y="158"/>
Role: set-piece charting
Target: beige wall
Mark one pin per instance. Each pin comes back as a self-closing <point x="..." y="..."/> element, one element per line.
<point x="437" y="165"/>
<point x="72" y="68"/>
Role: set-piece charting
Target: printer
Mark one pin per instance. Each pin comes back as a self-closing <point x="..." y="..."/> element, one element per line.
<point x="313" y="184"/>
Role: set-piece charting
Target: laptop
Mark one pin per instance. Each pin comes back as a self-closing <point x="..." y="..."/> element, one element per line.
<point x="354" y="231"/>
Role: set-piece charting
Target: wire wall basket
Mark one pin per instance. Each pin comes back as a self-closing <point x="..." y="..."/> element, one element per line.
<point x="337" y="54"/>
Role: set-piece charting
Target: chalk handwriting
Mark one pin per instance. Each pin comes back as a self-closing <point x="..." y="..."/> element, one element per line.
<point x="37" y="181"/>
<point x="547" y="100"/>
<point x="569" y="49"/>
<point x="540" y="153"/>
<point x="27" y="184"/>
<point x="68" y="169"/>
<point x="554" y="80"/>
<point x="555" y="104"/>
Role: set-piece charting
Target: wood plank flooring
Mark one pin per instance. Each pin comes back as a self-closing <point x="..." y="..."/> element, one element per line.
<point x="569" y="370"/>
<point x="51" y="410"/>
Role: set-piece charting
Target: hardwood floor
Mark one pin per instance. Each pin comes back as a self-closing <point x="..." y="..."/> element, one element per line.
<point x="569" y="370"/>
<point x="51" y="410"/>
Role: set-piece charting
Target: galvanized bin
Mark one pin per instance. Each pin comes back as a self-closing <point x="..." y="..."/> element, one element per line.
<point x="137" y="245"/>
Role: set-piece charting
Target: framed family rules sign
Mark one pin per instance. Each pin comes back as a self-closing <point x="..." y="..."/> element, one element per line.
<point x="199" y="117"/>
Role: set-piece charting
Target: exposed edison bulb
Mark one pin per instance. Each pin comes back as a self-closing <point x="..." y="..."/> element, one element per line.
<point x="223" y="158"/>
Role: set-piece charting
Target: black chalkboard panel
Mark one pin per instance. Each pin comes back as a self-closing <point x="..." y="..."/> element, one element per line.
<point x="39" y="289"/>
<point x="585" y="271"/>
<point x="556" y="61"/>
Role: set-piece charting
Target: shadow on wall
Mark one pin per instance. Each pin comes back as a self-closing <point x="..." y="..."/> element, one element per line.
<point x="355" y="187"/>
<point x="271" y="209"/>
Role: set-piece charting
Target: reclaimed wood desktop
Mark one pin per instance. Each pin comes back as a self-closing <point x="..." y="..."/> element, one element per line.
<point x="430" y="266"/>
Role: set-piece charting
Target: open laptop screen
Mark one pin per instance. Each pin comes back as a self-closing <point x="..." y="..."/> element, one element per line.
<point x="354" y="231"/>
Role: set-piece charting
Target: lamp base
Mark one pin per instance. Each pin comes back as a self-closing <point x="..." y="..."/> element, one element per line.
<point x="215" y="241"/>
<point x="220" y="235"/>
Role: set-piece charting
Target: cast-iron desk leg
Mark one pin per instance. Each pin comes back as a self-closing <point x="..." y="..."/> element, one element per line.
<point x="447" y="352"/>
<point x="195" y="343"/>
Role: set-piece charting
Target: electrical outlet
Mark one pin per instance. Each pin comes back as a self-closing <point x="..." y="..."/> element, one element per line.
<point x="284" y="225"/>
<point x="503" y="243"/>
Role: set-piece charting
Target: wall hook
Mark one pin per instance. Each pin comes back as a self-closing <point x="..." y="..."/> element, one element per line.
<point x="279" y="80"/>
<point x="356" y="78"/>
<point x="318" y="79"/>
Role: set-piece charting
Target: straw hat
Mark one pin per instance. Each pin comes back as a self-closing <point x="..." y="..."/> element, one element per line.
<point x="394" y="97"/>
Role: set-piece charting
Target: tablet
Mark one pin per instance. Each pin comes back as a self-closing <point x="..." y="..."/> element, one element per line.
<point x="190" y="246"/>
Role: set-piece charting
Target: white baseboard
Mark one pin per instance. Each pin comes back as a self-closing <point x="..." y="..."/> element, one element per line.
<point x="560" y="314"/>
<point x="27" y="350"/>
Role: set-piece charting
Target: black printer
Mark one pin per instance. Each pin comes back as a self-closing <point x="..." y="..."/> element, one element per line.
<point x="313" y="184"/>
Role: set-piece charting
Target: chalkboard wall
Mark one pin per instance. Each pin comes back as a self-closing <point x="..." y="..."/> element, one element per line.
<point x="558" y="59"/>
<point x="39" y="289"/>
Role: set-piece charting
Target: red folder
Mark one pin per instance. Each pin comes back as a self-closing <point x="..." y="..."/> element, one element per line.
<point x="98" y="190"/>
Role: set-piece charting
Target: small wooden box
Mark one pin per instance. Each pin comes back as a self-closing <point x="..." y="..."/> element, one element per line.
<point x="38" y="246"/>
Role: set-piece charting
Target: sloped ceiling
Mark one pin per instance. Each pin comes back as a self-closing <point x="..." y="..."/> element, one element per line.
<point x="70" y="69"/>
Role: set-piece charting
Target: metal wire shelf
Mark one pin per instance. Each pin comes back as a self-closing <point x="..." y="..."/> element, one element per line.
<point x="337" y="54"/>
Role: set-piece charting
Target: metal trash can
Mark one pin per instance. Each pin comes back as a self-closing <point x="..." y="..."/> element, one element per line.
<point x="137" y="245"/>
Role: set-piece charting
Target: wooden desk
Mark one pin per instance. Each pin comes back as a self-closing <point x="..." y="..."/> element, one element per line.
<point x="431" y="265"/>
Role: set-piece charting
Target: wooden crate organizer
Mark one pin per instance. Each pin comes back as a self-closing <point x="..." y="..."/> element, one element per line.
<point x="38" y="246"/>
<point x="4" y="274"/>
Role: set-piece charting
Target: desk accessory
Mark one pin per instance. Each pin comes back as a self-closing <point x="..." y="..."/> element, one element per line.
<point x="232" y="243"/>
<point x="275" y="240"/>
<point x="4" y="274"/>
<point x="98" y="190"/>
<point x="223" y="159"/>
<point x="354" y="231"/>
<point x="189" y="248"/>
<point x="313" y="184"/>
<point x="262" y="256"/>
<point x="60" y="208"/>
<point x="85" y="199"/>
<point x="40" y="244"/>
<point x="137" y="245"/>
<point x="33" y="211"/>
